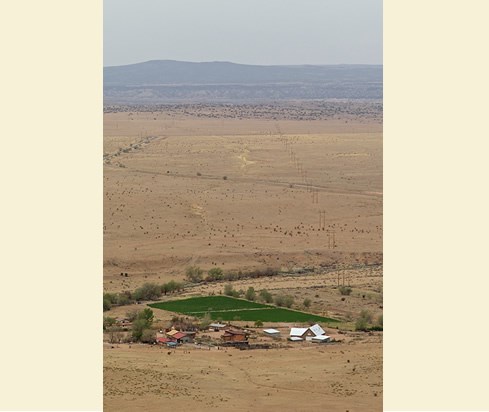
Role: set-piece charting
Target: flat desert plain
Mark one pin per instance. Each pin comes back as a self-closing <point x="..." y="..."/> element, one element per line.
<point x="198" y="186"/>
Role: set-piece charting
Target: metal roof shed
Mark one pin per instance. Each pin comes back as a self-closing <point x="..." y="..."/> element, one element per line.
<point x="295" y="339"/>
<point x="321" y="339"/>
<point x="317" y="330"/>
<point x="298" y="331"/>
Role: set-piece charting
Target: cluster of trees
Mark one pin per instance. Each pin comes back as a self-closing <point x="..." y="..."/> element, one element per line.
<point x="149" y="291"/>
<point x="263" y="295"/>
<point x="365" y="322"/>
<point x="184" y="323"/>
<point x="117" y="299"/>
<point x="141" y="327"/>
<point x="195" y="274"/>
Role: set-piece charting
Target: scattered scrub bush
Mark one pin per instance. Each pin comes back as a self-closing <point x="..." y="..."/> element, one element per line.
<point x="250" y="294"/>
<point x="265" y="296"/>
<point x="149" y="291"/>
<point x="194" y="274"/>
<point x="215" y="274"/>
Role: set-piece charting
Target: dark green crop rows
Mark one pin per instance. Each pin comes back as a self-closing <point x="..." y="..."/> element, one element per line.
<point x="228" y="309"/>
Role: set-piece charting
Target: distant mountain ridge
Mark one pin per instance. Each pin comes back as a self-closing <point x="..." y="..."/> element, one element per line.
<point x="164" y="72"/>
<point x="170" y="80"/>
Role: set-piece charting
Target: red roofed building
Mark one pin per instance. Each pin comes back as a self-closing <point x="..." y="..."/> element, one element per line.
<point x="180" y="337"/>
<point x="164" y="340"/>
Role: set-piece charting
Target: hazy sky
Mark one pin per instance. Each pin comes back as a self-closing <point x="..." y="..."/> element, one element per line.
<point x="243" y="31"/>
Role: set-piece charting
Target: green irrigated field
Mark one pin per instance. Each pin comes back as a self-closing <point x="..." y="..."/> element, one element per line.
<point x="226" y="308"/>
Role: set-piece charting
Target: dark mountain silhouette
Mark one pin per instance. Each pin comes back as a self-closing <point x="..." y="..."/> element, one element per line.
<point x="168" y="80"/>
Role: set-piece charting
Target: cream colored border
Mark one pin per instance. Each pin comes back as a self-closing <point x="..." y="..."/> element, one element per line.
<point x="435" y="205"/>
<point x="51" y="168"/>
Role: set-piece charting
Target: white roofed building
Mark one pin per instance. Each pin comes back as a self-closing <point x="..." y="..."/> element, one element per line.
<point x="300" y="332"/>
<point x="321" y="339"/>
<point x="310" y="333"/>
<point x="317" y="330"/>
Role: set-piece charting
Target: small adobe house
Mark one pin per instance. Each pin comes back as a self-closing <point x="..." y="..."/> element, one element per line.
<point x="234" y="336"/>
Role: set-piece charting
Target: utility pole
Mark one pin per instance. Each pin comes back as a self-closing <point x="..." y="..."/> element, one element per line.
<point x="315" y="196"/>
<point x="322" y="219"/>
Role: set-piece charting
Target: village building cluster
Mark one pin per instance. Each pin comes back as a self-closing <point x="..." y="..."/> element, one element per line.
<point x="231" y="335"/>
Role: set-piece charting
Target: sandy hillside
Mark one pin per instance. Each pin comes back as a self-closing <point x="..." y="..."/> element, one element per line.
<point x="238" y="194"/>
<point x="245" y="189"/>
<point x="333" y="377"/>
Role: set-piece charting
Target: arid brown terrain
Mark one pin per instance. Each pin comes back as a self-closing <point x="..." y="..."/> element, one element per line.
<point x="202" y="185"/>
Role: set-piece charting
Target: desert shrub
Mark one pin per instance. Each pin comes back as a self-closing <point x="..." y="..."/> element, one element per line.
<point x="362" y="323"/>
<point x="250" y="294"/>
<point x="149" y="291"/>
<point x="205" y="321"/>
<point x="230" y="276"/>
<point x="111" y="297"/>
<point x="215" y="274"/>
<point x="365" y="314"/>
<point x="284" y="300"/>
<point x="228" y="290"/>
<point x="307" y="302"/>
<point x="224" y="178"/>
<point x="107" y="305"/>
<point x="194" y="274"/>
<point x="148" y="336"/>
<point x="115" y="335"/>
<point x="258" y="324"/>
<point x="108" y="322"/>
<point x="132" y="315"/>
<point x="279" y="300"/>
<point x="175" y="286"/>
<point x="289" y="301"/>
<point x="124" y="299"/>
<point x="165" y="288"/>
<point x="345" y="290"/>
<point x="199" y="174"/>
<point x="265" y="296"/>
<point x="171" y="286"/>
